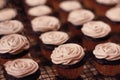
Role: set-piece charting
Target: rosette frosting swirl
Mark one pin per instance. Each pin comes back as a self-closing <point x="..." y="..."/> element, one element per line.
<point x="96" y="29"/>
<point x="81" y="16"/>
<point x="54" y="37"/>
<point x="67" y="54"/>
<point x="21" y="67"/>
<point x="45" y="23"/>
<point x="109" y="51"/>
<point x="11" y="26"/>
<point x="7" y="14"/>
<point x="13" y="44"/>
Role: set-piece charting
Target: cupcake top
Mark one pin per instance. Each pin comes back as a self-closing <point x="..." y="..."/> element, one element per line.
<point x="107" y="2"/>
<point x="45" y="23"/>
<point x="39" y="10"/>
<point x="113" y="14"/>
<point x="7" y="14"/>
<point x="67" y="54"/>
<point x="2" y="3"/>
<point x="13" y="44"/>
<point x="70" y="5"/>
<point x="81" y="16"/>
<point x="54" y="37"/>
<point x="20" y="68"/>
<point x="11" y="26"/>
<point x="35" y="2"/>
<point x="109" y="51"/>
<point x="96" y="29"/>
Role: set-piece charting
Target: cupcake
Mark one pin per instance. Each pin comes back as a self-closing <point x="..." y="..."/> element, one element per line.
<point x="96" y="30"/>
<point x="52" y="39"/>
<point x="39" y="10"/>
<point x="66" y="7"/>
<point x="107" y="58"/>
<point x="45" y="23"/>
<point x="2" y="3"/>
<point x="35" y="2"/>
<point x="10" y="27"/>
<point x="113" y="14"/>
<point x="13" y="46"/>
<point x="68" y="60"/>
<point x="7" y="14"/>
<point x="21" y="69"/>
<point x="80" y="16"/>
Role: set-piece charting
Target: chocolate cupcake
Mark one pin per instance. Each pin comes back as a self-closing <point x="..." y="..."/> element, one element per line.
<point x="52" y="39"/>
<point x="107" y="58"/>
<point x="21" y="69"/>
<point x="13" y="46"/>
<point x="7" y="14"/>
<point x="10" y="27"/>
<point x="45" y="23"/>
<point x="96" y="30"/>
<point x="68" y="60"/>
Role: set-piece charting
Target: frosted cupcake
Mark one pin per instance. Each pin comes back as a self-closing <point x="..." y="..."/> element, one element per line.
<point x="21" y="69"/>
<point x="113" y="14"/>
<point x="35" y="2"/>
<point x="45" y="23"/>
<point x="13" y="46"/>
<point x="40" y="10"/>
<point x="2" y="3"/>
<point x="10" y="27"/>
<point x="107" y="58"/>
<point x="68" y="60"/>
<point x="96" y="30"/>
<point x="7" y="14"/>
<point x="52" y="39"/>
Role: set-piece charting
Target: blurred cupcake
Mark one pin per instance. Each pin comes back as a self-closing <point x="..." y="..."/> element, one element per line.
<point x="39" y="10"/>
<point x="107" y="58"/>
<point x="52" y="39"/>
<point x="113" y="14"/>
<point x="7" y="14"/>
<point x="68" y="60"/>
<point x="13" y="46"/>
<point x="45" y="23"/>
<point x="2" y="3"/>
<point x="80" y="16"/>
<point x="21" y="69"/>
<point x="97" y="30"/>
<point x="66" y="7"/>
<point x="35" y="2"/>
<point x="10" y="27"/>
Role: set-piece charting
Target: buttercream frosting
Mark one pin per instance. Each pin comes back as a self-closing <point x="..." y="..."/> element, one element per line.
<point x="107" y="2"/>
<point x="13" y="44"/>
<point x="35" y="2"/>
<point x="113" y="14"/>
<point x="109" y="51"/>
<point x="7" y="14"/>
<point x="70" y="5"/>
<point x="45" y="23"/>
<point x="96" y="29"/>
<point x="11" y="26"/>
<point x="39" y="10"/>
<point x="81" y="16"/>
<point x="20" y="68"/>
<point x="67" y="54"/>
<point x="2" y="3"/>
<point x="54" y="37"/>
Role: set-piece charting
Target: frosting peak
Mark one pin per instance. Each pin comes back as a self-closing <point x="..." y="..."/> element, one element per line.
<point x="109" y="51"/>
<point x="54" y="37"/>
<point x="21" y="67"/>
<point x="67" y="54"/>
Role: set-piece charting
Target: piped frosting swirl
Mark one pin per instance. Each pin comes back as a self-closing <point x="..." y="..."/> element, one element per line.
<point x="67" y="54"/>
<point x="20" y="68"/>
